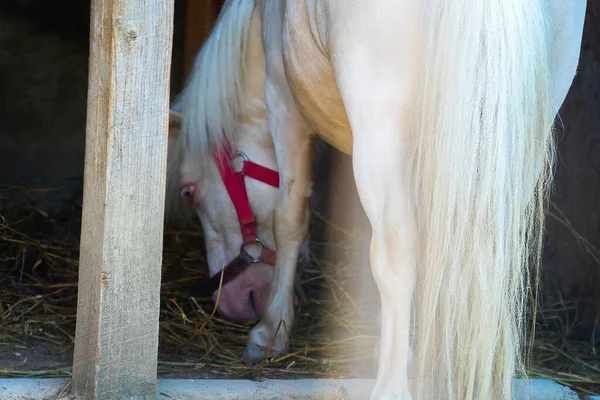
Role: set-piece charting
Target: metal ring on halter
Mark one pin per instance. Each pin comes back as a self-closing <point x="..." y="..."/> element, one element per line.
<point x="254" y="260"/>
<point x="244" y="157"/>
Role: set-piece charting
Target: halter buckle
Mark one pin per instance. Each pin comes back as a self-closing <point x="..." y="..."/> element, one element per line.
<point x="249" y="257"/>
<point x="245" y="160"/>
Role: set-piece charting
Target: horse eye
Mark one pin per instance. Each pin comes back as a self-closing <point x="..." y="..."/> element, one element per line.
<point x="187" y="191"/>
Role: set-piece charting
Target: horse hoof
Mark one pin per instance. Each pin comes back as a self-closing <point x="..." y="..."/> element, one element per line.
<point x="255" y="354"/>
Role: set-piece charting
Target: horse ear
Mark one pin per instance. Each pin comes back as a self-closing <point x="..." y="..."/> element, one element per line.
<point x="174" y="124"/>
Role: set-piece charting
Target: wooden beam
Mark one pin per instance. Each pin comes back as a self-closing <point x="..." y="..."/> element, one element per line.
<point x="116" y="342"/>
<point x="235" y="389"/>
<point x="200" y="18"/>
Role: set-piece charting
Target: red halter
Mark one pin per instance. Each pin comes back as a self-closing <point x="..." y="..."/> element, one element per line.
<point x="236" y="187"/>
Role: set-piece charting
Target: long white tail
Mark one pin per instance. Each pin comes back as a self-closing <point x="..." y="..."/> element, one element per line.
<point x="484" y="153"/>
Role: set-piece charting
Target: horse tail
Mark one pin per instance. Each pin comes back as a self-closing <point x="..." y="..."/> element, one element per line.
<point x="483" y="160"/>
<point x="211" y="101"/>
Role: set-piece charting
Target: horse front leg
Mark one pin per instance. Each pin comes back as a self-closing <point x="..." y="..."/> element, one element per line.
<point x="294" y="145"/>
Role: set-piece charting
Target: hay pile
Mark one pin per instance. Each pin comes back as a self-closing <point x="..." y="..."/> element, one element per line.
<point x="38" y="273"/>
<point x="334" y="335"/>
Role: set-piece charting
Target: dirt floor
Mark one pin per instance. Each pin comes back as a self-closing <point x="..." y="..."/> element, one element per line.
<point x="334" y="334"/>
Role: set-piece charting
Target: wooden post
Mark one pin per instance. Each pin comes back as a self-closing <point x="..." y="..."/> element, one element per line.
<point x="200" y="18"/>
<point x="116" y="342"/>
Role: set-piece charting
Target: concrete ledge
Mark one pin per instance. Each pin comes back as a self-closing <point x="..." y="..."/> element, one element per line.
<point x="305" y="389"/>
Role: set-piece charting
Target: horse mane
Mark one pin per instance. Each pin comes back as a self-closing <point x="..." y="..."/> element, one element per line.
<point x="211" y="101"/>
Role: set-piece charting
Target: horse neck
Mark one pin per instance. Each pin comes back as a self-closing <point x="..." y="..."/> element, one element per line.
<point x="254" y="136"/>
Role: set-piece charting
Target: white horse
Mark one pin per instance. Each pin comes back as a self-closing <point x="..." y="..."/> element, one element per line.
<point x="447" y="108"/>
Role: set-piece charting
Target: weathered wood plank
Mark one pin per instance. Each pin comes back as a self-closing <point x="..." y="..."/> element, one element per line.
<point x="200" y="18"/>
<point x="124" y="181"/>
<point x="306" y="389"/>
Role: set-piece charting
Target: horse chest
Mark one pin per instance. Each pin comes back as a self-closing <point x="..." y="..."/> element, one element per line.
<point x="311" y="78"/>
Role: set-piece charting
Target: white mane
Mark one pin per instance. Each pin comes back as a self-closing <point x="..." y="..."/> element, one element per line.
<point x="211" y="101"/>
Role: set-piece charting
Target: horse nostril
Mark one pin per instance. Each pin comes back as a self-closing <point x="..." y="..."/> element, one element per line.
<point x="252" y="301"/>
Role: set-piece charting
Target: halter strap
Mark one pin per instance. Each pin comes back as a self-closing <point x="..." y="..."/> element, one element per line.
<point x="236" y="188"/>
